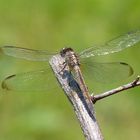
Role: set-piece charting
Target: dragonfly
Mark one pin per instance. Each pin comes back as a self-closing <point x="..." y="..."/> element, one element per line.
<point x="41" y="79"/>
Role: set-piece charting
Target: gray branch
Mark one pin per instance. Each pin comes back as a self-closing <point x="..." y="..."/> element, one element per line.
<point x="133" y="84"/>
<point x="84" y="110"/>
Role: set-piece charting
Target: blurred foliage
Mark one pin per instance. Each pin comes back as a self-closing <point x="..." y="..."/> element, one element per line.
<point x="52" y="25"/>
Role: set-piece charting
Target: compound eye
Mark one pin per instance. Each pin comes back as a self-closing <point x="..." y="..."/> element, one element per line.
<point x="62" y="52"/>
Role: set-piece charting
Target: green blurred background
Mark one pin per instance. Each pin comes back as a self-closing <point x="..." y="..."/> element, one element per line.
<point x="52" y="25"/>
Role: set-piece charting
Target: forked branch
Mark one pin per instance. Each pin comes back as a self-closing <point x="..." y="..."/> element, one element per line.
<point x="132" y="84"/>
<point x="84" y="110"/>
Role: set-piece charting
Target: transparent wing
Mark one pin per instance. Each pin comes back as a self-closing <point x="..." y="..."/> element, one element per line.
<point x="42" y="80"/>
<point x="106" y="72"/>
<point x="24" y="53"/>
<point x="115" y="45"/>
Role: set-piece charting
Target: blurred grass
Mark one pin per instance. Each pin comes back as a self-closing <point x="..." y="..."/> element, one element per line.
<point x="52" y="25"/>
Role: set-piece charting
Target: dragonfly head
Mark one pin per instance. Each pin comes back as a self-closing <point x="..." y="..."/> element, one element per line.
<point x="65" y="50"/>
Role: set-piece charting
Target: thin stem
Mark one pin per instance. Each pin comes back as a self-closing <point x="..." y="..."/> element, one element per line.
<point x="133" y="84"/>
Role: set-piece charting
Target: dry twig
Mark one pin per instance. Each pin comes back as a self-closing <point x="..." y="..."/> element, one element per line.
<point x="133" y="84"/>
<point x="84" y="110"/>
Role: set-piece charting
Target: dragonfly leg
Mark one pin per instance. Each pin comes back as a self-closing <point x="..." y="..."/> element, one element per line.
<point x="64" y="66"/>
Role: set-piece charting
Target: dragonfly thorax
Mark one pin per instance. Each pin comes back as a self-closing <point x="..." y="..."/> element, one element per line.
<point x="70" y="57"/>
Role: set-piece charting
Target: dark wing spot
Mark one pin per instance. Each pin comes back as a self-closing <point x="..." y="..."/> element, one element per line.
<point x="123" y="63"/>
<point x="4" y="85"/>
<point x="131" y="71"/>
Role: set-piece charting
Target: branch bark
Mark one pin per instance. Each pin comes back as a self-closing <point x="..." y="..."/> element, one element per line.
<point x="133" y="84"/>
<point x="83" y="109"/>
